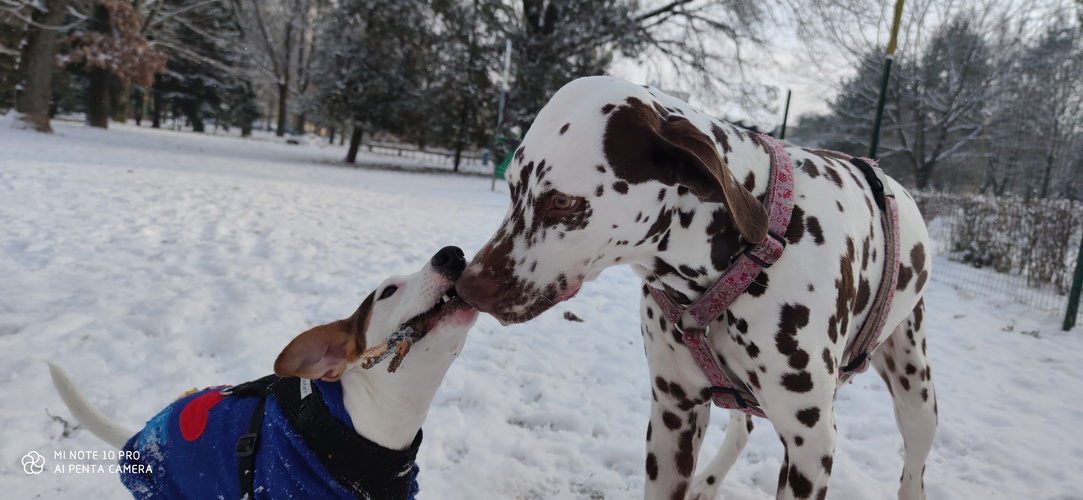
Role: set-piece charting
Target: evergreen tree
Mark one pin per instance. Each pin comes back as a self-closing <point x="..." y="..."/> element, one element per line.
<point x="206" y="72"/>
<point x="559" y="40"/>
<point x="373" y="65"/>
<point x="854" y="106"/>
<point x="461" y="94"/>
<point x="12" y="32"/>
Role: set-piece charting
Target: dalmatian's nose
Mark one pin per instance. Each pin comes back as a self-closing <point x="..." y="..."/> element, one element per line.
<point x="476" y="289"/>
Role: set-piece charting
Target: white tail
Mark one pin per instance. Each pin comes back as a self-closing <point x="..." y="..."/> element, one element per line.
<point x="98" y="424"/>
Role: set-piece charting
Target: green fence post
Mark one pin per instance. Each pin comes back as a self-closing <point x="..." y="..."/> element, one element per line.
<point x="889" y="55"/>
<point x="785" y="116"/>
<point x="1073" y="295"/>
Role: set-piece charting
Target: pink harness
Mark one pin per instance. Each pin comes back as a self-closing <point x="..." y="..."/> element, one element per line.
<point x="748" y="265"/>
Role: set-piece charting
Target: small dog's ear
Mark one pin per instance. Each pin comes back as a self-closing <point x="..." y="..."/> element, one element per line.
<point x="321" y="352"/>
<point x="326" y="351"/>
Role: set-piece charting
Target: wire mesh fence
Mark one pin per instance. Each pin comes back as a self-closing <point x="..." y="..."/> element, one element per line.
<point x="1024" y="250"/>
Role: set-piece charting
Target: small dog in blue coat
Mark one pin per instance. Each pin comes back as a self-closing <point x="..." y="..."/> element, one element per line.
<point x="325" y="425"/>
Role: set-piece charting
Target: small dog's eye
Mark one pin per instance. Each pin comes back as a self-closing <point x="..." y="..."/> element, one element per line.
<point x="389" y="291"/>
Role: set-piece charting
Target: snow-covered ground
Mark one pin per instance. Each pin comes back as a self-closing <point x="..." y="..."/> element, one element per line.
<point x="149" y="262"/>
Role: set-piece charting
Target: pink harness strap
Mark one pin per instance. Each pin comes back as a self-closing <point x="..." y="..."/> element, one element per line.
<point x="747" y="266"/>
<point x="868" y="337"/>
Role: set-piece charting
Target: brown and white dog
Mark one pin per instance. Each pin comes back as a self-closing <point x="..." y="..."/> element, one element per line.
<point x="328" y="425"/>
<point x="614" y="173"/>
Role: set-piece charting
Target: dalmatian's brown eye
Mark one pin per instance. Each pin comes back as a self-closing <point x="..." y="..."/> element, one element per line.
<point x="563" y="202"/>
<point x="561" y="205"/>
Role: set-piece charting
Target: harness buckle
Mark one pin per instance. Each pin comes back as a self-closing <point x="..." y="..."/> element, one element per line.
<point x="706" y="329"/>
<point x="246" y="445"/>
<point x="771" y="250"/>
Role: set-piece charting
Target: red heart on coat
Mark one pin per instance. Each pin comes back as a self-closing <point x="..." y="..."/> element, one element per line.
<point x="194" y="416"/>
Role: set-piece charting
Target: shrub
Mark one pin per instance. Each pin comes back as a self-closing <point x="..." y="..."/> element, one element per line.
<point x="1038" y="239"/>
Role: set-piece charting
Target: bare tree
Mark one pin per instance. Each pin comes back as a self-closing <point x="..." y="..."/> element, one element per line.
<point x="281" y="32"/>
<point x="698" y="40"/>
<point x="938" y="102"/>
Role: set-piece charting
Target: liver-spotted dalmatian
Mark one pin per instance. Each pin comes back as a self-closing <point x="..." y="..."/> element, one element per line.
<point x="614" y="173"/>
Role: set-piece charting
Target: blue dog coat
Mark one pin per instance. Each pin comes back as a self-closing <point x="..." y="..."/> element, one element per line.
<point x="306" y="447"/>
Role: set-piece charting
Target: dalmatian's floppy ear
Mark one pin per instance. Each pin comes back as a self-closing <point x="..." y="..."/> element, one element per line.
<point x="326" y="351"/>
<point x="708" y="176"/>
<point x="643" y="146"/>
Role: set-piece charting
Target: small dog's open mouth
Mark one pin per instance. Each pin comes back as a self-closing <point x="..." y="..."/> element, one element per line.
<point x="449" y="303"/>
<point x="413" y="331"/>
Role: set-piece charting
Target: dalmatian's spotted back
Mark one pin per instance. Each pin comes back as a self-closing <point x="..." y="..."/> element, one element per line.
<point x="614" y="173"/>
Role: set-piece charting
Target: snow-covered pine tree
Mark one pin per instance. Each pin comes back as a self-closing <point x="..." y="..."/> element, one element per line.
<point x="13" y="17"/>
<point x="461" y="96"/>
<point x="372" y="65"/>
<point x="208" y="68"/>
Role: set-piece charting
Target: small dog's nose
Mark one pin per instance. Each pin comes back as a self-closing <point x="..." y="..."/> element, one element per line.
<point x="450" y="260"/>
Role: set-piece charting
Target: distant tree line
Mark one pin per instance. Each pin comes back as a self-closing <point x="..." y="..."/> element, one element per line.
<point x="984" y="101"/>
<point x="427" y="71"/>
<point x="121" y="59"/>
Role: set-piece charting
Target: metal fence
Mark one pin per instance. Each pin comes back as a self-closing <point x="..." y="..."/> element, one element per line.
<point x="1022" y="250"/>
<point x="434" y="156"/>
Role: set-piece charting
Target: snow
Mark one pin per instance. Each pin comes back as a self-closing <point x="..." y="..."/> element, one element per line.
<point x="148" y="262"/>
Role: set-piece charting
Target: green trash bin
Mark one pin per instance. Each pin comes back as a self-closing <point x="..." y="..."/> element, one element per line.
<point x="498" y="173"/>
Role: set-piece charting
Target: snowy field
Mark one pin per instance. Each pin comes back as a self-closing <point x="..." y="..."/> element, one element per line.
<point x="149" y="262"/>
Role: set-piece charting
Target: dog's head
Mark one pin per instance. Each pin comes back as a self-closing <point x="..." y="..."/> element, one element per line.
<point x="596" y="182"/>
<point x="425" y="301"/>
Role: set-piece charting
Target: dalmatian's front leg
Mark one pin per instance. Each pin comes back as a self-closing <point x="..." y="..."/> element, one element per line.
<point x="674" y="435"/>
<point x="679" y="409"/>
<point x="800" y="405"/>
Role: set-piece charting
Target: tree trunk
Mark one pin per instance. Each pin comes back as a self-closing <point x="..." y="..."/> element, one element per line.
<point x="121" y="99"/>
<point x="140" y="106"/>
<point x="97" y="97"/>
<point x="97" y="93"/>
<point x="331" y="135"/>
<point x="197" y="121"/>
<point x="283" y="97"/>
<point x="284" y="80"/>
<point x="355" y="144"/>
<point x="342" y="136"/>
<point x="36" y="71"/>
<point x="270" y="113"/>
<point x="156" y="115"/>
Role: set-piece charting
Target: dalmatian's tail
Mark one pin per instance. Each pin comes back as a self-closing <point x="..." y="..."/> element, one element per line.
<point x="98" y="424"/>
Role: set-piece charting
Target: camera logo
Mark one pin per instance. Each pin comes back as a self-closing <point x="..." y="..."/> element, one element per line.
<point x="33" y="463"/>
